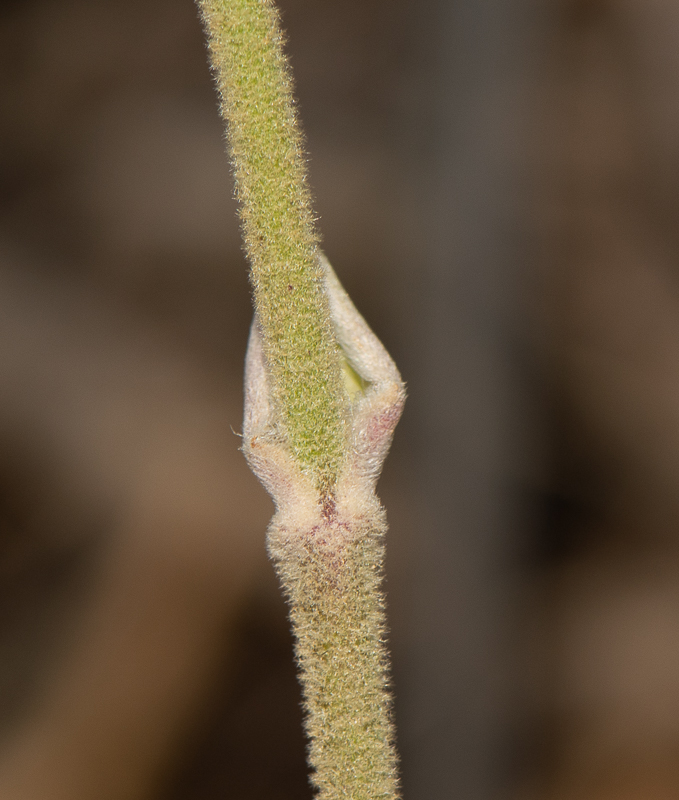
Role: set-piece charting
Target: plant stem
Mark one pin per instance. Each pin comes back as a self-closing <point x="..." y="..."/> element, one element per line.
<point x="316" y="446"/>
<point x="279" y="233"/>
<point x="332" y="581"/>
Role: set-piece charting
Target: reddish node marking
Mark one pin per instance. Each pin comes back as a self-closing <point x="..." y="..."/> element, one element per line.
<point x="384" y="423"/>
<point x="328" y="508"/>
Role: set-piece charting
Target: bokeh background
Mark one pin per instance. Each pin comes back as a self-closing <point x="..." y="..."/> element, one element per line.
<point x="498" y="188"/>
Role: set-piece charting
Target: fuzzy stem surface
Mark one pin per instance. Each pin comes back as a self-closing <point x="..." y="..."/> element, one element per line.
<point x="331" y="576"/>
<point x="316" y="445"/>
<point x="279" y="232"/>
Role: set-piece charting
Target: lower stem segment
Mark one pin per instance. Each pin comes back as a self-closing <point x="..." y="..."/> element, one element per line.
<point x="331" y="576"/>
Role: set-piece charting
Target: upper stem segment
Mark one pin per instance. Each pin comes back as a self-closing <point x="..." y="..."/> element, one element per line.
<point x="280" y="237"/>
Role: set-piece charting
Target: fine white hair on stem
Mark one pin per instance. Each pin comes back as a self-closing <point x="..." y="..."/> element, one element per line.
<point x="322" y="399"/>
<point x="329" y="556"/>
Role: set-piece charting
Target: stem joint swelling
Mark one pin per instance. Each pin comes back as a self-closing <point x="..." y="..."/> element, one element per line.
<point x="329" y="551"/>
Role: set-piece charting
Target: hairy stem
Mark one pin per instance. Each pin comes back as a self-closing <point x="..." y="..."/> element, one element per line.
<point x="315" y="442"/>
<point x="279" y="232"/>
<point x="332" y="576"/>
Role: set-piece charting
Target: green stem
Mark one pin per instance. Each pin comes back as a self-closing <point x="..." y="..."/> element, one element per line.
<point x="279" y="232"/>
<point x="317" y="452"/>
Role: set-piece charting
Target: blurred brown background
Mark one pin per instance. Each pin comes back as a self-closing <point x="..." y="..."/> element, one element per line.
<point x="497" y="184"/>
